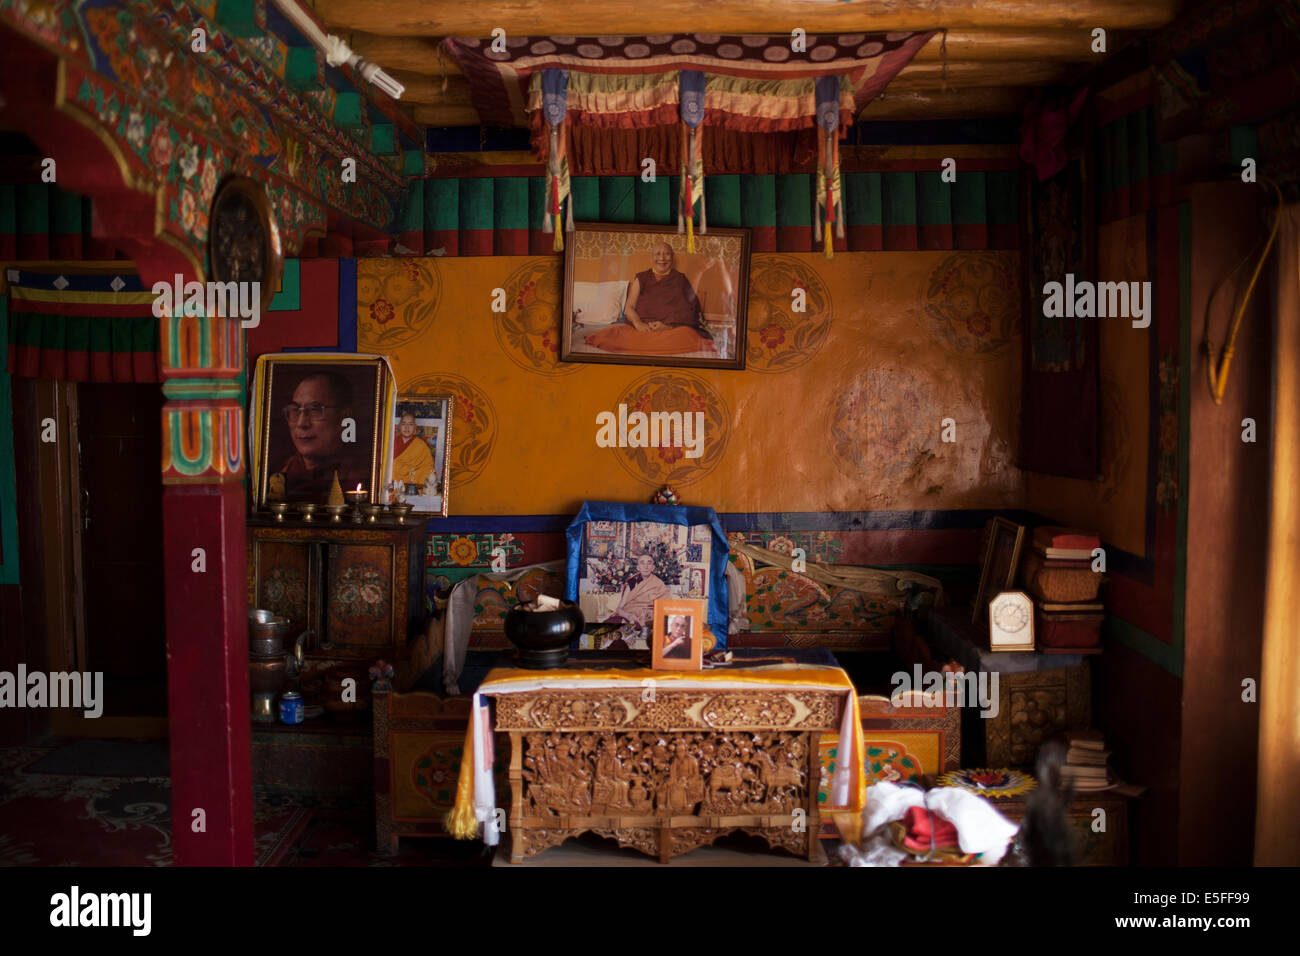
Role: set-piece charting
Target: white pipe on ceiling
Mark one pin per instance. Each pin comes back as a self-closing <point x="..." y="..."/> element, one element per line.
<point x="336" y="51"/>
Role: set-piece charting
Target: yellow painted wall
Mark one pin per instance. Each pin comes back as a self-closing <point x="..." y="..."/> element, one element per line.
<point x="838" y="409"/>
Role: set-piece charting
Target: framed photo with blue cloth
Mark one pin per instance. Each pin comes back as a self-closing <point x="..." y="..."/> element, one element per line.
<point x="624" y="557"/>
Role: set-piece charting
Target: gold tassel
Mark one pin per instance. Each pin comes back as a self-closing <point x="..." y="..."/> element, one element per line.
<point x="460" y="821"/>
<point x="690" y="230"/>
<point x="558" y="244"/>
<point x="830" y="243"/>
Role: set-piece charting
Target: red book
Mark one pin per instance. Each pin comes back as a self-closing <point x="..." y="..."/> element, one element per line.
<point x="1071" y="539"/>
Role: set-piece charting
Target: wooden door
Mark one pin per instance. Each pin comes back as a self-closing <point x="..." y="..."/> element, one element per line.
<point x="120" y="503"/>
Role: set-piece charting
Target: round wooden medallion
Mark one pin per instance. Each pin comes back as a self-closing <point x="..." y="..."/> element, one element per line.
<point x="243" y="239"/>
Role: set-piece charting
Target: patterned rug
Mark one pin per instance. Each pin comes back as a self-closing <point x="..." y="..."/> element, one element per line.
<point x="58" y="819"/>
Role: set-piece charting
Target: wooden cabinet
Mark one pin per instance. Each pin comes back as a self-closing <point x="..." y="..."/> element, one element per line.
<point x="358" y="587"/>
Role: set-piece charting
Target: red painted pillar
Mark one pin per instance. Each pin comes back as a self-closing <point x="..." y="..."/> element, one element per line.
<point x="207" y="674"/>
<point x="206" y="595"/>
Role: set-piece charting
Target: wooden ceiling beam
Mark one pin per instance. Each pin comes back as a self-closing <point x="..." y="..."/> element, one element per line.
<point x="446" y="116"/>
<point x="414" y="54"/>
<point x="930" y="76"/>
<point x="1069" y="46"/>
<point x="427" y="90"/>
<point x="973" y="103"/>
<point x="620" y="17"/>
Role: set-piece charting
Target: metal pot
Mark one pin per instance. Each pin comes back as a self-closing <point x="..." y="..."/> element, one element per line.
<point x="266" y="633"/>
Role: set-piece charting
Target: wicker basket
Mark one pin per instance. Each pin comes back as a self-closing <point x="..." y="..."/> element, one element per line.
<point x="1057" y="584"/>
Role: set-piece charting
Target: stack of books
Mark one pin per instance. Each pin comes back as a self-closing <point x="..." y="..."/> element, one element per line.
<point x="1086" y="759"/>
<point x="1059" y="575"/>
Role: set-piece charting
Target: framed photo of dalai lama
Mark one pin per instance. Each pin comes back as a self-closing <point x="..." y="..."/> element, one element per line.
<point x="420" y="443"/>
<point x="678" y="643"/>
<point x="635" y="295"/>
<point x="319" y="427"/>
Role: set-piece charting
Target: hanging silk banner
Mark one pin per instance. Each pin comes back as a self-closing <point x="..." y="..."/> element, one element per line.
<point x="691" y="108"/>
<point x="554" y="110"/>
<point x="830" y="205"/>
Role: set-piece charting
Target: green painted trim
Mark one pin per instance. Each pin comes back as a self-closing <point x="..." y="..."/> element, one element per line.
<point x="794" y="202"/>
<point x="8" y="209"/>
<point x="1168" y="657"/>
<point x="898" y="195"/>
<point x="722" y="196"/>
<point x="238" y="17"/>
<point x="933" y="200"/>
<point x="348" y="109"/>
<point x="442" y="204"/>
<point x="301" y="71"/>
<point x="654" y="202"/>
<point x="65" y="212"/>
<point x="411" y="213"/>
<point x="584" y="193"/>
<point x="510" y="202"/>
<point x="758" y="200"/>
<point x="862" y="199"/>
<point x="412" y="162"/>
<point x="289" y="298"/>
<point x="8" y="473"/>
<point x="383" y="139"/>
<point x="188" y="389"/>
<point x="617" y="199"/>
<point x="476" y="204"/>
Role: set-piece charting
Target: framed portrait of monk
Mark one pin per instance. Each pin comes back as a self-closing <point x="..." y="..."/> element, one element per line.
<point x="636" y="295"/>
<point x="622" y="558"/>
<point x="420" y="442"/>
<point x="319" y="427"/>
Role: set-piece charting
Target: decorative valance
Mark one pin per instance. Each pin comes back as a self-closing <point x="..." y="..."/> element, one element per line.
<point x="753" y="86"/>
<point x="81" y="328"/>
<point x="500" y="78"/>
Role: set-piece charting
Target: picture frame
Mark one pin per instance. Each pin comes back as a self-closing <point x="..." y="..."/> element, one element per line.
<point x="420" y="464"/>
<point x="621" y="558"/>
<point x="297" y="461"/>
<point x="1001" y="561"/>
<point x="678" y="641"/>
<point x="694" y="314"/>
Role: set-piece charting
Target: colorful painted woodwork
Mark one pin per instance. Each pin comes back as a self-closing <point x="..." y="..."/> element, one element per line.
<point x="176" y="120"/>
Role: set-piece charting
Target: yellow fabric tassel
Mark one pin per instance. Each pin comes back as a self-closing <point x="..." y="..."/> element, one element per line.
<point x="461" y="822"/>
<point x="690" y="230"/>
<point x="558" y="244"/>
<point x="830" y="243"/>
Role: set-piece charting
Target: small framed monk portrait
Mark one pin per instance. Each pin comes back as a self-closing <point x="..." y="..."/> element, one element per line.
<point x="420" y="442"/>
<point x="319" y="427"/>
<point x="646" y="295"/>
<point x="678" y="643"/>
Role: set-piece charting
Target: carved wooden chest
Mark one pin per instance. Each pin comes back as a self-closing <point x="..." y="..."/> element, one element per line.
<point x="665" y="771"/>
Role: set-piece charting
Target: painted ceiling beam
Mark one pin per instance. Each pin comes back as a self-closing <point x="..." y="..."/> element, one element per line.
<point x="423" y="18"/>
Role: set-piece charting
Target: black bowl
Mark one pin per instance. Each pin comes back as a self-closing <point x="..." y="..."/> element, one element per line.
<point x="543" y="637"/>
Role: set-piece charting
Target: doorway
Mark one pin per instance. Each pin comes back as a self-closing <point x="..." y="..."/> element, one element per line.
<point x="118" y="436"/>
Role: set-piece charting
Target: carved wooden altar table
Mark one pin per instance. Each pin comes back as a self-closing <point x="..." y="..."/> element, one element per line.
<point x="665" y="762"/>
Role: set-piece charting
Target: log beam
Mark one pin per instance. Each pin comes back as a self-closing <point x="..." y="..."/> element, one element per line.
<point x="424" y="18"/>
<point x="929" y="76"/>
<point x="427" y="90"/>
<point x="973" y="103"/>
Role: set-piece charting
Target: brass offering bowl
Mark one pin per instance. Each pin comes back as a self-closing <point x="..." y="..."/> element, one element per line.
<point x="307" y="509"/>
<point x="401" y="511"/>
<point x="335" y="512"/>
<point x="280" y="509"/>
<point x="372" y="512"/>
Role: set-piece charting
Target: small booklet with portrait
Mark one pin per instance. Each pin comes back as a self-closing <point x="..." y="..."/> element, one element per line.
<point x="678" y="641"/>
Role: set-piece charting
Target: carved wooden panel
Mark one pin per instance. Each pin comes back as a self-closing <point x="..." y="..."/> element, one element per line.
<point x="660" y="709"/>
<point x="360" y="594"/>
<point x="665" y="772"/>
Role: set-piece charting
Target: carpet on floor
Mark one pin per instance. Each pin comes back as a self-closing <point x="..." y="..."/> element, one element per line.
<point x="108" y="758"/>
